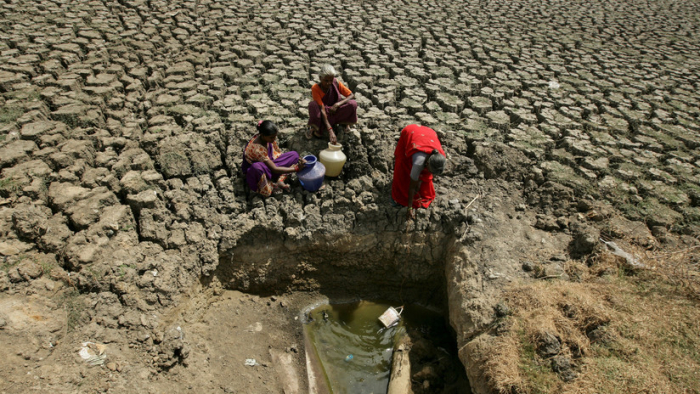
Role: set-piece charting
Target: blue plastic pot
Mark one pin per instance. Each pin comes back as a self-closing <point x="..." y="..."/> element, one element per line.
<point x="311" y="176"/>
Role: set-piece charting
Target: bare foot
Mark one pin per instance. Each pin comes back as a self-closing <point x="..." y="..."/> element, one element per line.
<point x="281" y="186"/>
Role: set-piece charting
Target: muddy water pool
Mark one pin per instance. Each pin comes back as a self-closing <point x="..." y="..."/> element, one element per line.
<point x="355" y="350"/>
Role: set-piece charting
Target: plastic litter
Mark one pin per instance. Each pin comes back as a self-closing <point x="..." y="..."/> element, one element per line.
<point x="391" y="316"/>
<point x="251" y="362"/>
<point x="93" y="353"/>
<point x="554" y="85"/>
<point x="617" y="251"/>
<point x="349" y="357"/>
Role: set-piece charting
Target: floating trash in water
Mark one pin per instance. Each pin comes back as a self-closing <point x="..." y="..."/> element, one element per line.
<point x="349" y="357"/>
<point x="93" y="353"/>
<point x="391" y="316"/>
<point x="554" y="85"/>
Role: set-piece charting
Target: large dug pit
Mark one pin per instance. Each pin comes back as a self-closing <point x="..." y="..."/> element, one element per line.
<point x="398" y="267"/>
<point x="455" y="257"/>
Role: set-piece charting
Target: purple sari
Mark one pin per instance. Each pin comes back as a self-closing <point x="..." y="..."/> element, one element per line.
<point x="254" y="172"/>
<point x="346" y="113"/>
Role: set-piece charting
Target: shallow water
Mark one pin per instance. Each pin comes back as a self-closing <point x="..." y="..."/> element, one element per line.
<point x="355" y="349"/>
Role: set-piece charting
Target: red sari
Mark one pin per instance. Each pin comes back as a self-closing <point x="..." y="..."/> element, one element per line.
<point x="414" y="138"/>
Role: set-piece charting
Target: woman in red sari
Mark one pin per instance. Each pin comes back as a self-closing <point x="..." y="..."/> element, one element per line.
<point x="332" y="104"/>
<point x="418" y="156"/>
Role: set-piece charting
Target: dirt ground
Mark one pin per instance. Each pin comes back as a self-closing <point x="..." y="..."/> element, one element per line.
<point x="125" y="224"/>
<point x="222" y="333"/>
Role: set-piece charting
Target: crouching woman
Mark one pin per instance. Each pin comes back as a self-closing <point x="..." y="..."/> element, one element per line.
<point x="265" y="167"/>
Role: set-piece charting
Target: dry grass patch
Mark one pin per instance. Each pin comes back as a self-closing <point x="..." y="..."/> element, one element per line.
<point x="615" y="331"/>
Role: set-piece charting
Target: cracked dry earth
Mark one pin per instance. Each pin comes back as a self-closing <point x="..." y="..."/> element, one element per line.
<point x="124" y="220"/>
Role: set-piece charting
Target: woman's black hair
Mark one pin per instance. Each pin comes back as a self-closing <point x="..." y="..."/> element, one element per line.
<point x="267" y="128"/>
<point x="436" y="162"/>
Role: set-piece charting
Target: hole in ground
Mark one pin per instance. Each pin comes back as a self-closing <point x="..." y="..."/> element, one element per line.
<point x="398" y="267"/>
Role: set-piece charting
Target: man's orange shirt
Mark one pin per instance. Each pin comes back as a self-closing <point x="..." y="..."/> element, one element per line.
<point x="317" y="94"/>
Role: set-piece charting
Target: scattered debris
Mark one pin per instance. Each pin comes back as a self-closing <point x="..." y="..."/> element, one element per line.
<point x="391" y="316"/>
<point x="617" y="251"/>
<point x="93" y="353"/>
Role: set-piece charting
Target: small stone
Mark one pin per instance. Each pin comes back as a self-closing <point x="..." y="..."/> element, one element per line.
<point x="558" y="257"/>
<point x="585" y="239"/>
<point x="528" y="266"/>
<point x="549" y="345"/>
<point x="600" y="335"/>
<point x="562" y="366"/>
<point x="29" y="269"/>
<point x="427" y="372"/>
<point x="502" y="310"/>
<point x="111" y="366"/>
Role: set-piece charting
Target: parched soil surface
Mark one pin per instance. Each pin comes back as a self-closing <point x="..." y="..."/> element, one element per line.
<point x="124" y="220"/>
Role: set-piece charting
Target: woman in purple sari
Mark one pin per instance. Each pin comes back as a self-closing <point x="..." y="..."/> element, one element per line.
<point x="265" y="167"/>
<point x="332" y="104"/>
